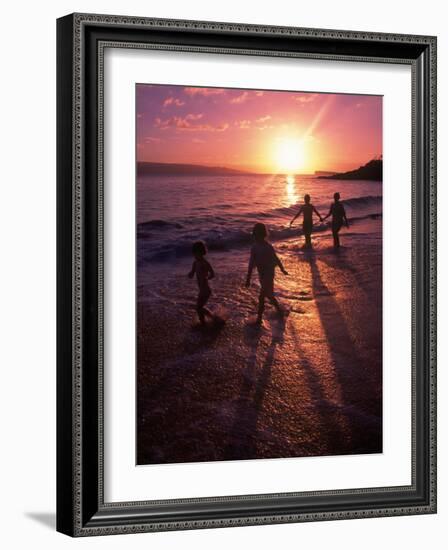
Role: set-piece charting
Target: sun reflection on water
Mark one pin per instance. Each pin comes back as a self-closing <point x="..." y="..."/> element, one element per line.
<point x="291" y="191"/>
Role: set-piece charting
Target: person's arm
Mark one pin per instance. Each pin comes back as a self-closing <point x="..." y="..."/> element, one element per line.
<point x="279" y="263"/>
<point x="211" y="273"/>
<point x="250" y="267"/>
<point x="330" y="212"/>
<point x="318" y="215"/>
<point x="193" y="270"/>
<point x="295" y="217"/>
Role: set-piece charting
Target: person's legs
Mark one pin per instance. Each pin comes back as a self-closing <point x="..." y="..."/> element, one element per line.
<point x="275" y="303"/>
<point x="335" y="238"/>
<point x="307" y="239"/>
<point x="335" y="230"/>
<point x="261" y="298"/>
<point x="201" y="314"/>
<point x="268" y="292"/>
<point x="200" y="307"/>
<point x="337" y="244"/>
<point x="307" y="229"/>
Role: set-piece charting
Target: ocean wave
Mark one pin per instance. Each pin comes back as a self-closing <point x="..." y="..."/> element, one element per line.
<point x="356" y="203"/>
<point x="147" y="227"/>
<point x="225" y="239"/>
<point x="368" y="200"/>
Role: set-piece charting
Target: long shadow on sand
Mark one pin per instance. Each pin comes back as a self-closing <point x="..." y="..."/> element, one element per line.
<point x="340" y="261"/>
<point x="243" y="437"/>
<point x="360" y="397"/>
<point x="334" y="436"/>
<point x="202" y="337"/>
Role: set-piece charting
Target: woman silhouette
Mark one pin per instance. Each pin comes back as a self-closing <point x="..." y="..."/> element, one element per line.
<point x="337" y="210"/>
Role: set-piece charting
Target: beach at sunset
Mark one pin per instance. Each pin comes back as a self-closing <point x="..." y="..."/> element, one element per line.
<point x="211" y="164"/>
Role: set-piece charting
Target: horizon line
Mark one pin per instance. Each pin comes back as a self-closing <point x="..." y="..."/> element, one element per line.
<point x="251" y="172"/>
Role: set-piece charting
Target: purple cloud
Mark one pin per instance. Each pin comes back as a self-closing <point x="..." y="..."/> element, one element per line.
<point x="203" y="91"/>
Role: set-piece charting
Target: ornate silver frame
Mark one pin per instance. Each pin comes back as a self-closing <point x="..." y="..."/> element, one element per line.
<point x="82" y="39"/>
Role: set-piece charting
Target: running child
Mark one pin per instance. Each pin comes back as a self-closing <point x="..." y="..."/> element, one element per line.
<point x="264" y="258"/>
<point x="204" y="272"/>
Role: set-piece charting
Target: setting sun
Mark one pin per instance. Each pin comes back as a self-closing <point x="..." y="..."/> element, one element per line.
<point x="289" y="155"/>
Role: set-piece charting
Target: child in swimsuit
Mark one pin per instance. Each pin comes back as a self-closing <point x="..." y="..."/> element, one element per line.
<point x="204" y="272"/>
<point x="307" y="210"/>
<point x="264" y="258"/>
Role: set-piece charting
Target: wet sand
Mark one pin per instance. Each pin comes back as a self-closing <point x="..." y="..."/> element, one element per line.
<point x="308" y="384"/>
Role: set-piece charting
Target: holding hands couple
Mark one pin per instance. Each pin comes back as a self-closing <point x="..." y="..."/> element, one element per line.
<point x="337" y="211"/>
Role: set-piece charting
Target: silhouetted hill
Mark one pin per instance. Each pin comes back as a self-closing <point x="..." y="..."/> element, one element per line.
<point x="169" y="169"/>
<point x="373" y="170"/>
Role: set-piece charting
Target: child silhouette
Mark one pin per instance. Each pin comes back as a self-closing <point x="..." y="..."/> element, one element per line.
<point x="264" y="258"/>
<point x="204" y="272"/>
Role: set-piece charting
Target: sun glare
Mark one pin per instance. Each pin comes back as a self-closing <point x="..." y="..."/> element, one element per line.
<point x="289" y="155"/>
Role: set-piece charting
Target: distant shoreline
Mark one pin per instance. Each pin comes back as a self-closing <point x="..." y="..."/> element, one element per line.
<point x="372" y="171"/>
<point x="174" y="169"/>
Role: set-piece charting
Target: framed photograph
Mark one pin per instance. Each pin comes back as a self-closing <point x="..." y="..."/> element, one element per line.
<point x="246" y="274"/>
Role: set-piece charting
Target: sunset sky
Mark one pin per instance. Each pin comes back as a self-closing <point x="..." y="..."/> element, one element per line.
<point x="260" y="131"/>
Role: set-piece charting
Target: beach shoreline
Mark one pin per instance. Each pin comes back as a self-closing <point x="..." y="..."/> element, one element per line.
<point x="308" y="384"/>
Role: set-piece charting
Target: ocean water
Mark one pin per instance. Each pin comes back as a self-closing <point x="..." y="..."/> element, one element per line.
<point x="173" y="212"/>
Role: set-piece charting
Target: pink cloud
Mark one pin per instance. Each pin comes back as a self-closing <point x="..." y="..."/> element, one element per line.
<point x="188" y="123"/>
<point x="243" y="123"/>
<point x="304" y="98"/>
<point x="172" y="101"/>
<point x="210" y="128"/>
<point x="258" y="123"/>
<point x="240" y="98"/>
<point x="203" y="91"/>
